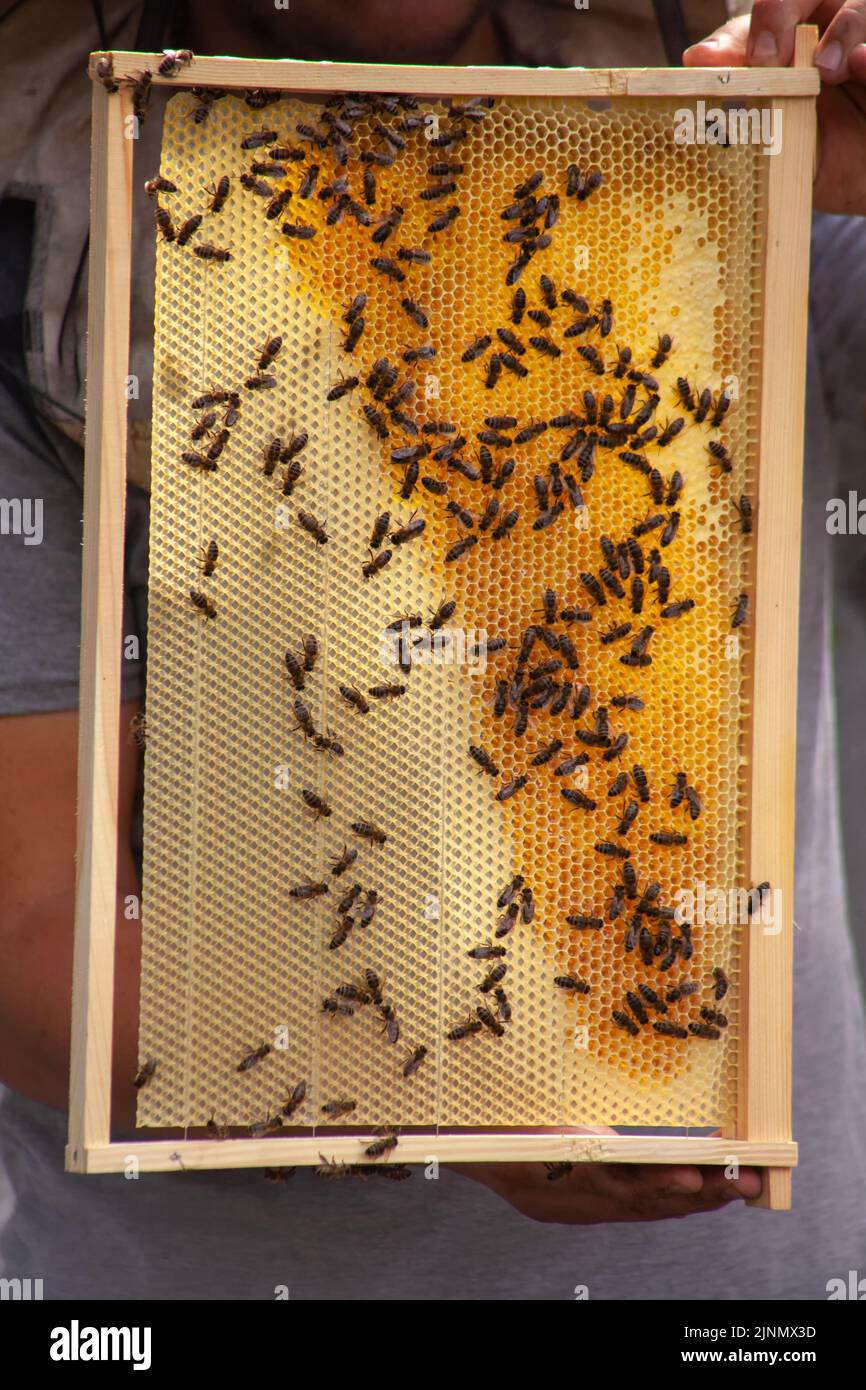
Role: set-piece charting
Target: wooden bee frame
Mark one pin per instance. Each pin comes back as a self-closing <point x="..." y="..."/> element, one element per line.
<point x="762" y="1135"/>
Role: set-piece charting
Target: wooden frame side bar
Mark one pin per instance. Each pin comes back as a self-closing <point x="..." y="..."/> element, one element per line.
<point x="162" y="1156"/>
<point x="764" y="1104"/>
<point x="296" y="76"/>
<point x="102" y="621"/>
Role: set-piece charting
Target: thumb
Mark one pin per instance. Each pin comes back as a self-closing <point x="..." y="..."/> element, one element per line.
<point x="725" y="47"/>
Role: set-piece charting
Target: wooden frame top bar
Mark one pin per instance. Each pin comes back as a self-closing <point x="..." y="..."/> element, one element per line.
<point x="293" y="75"/>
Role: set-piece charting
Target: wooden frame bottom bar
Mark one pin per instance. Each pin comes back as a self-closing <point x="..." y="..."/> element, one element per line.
<point x="155" y="1156"/>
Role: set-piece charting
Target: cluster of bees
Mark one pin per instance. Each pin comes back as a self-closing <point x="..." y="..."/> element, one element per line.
<point x="613" y="424"/>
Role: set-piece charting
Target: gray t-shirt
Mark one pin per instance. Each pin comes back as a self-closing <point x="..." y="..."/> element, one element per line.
<point x="234" y="1236"/>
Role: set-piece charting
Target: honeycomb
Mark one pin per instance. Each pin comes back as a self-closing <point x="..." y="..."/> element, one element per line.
<point x="232" y="960"/>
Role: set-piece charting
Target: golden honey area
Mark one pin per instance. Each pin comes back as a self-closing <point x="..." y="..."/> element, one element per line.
<point x="232" y="959"/>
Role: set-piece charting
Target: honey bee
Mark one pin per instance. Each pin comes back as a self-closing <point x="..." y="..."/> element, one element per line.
<point x="756" y="897"/>
<point x="416" y="314"/>
<point x="304" y="892"/>
<point x="741" y="611"/>
<point x="670" y="432"/>
<point x="744" y="511"/>
<point x="313" y="527"/>
<point x="260" y="383"/>
<point x="464" y="1030"/>
<point x="104" y="72"/>
<point x="215" y="1131"/>
<point x="385" y="1145"/>
<point x="721" y="457"/>
<point x="476" y="348"/>
<point x="414" y="1060"/>
<point x="615" y="634"/>
<point x="444" y="220"/>
<point x="386" y="691"/>
<point x="414" y="527"/>
<point x="336" y="1109"/>
<point x="714" y="1017"/>
<point x="668" y="1029"/>
<point x="254" y="1056"/>
<point x="490" y="1021"/>
<point x="188" y="229"/>
<point x="215" y="449"/>
<point x="445" y="611"/>
<point x="493" y="978"/>
<point x="575" y="797"/>
<point x="665" y="343"/>
<point x="343" y="861"/>
<point x="330" y="1168"/>
<point x="694" y="801"/>
<point x="671" y="528"/>
<point x="611" y="850"/>
<point x="341" y="935"/>
<point x="290" y="477"/>
<point x="202" y="603"/>
<point x="676" y="610"/>
<point x="208" y="558"/>
<point x="572" y="984"/>
<point x="511" y="890"/>
<point x="257" y="138"/>
<point x="376" y="563"/>
<point x="682" y="990"/>
<point x="511" y="788"/>
<point x="668" y="837"/>
<point x="704" y="1030"/>
<point x="316" y="803"/>
<point x="204" y="425"/>
<point x="144" y="1074"/>
<point x="140" y="82"/>
<point x="368" y="831"/>
<point x="349" y="899"/>
<point x="301" y="231"/>
<point x="590" y="184"/>
<point x="623" y="1021"/>
<point x="391" y="1025"/>
<point x="585" y="921"/>
<point x="165" y="224"/>
<point x="257" y="186"/>
<point x="336" y="1008"/>
<point x="307" y="186"/>
<point x="354" y="697"/>
<point x="296" y="1099"/>
<point x="486" y="952"/>
<point x="460" y="548"/>
<point x="511" y="518"/>
<point x="174" y="60"/>
<point x="721" y="409"/>
<point x="592" y="355"/>
<point x="484" y="760"/>
<point x="304" y="718"/>
<point x="278" y="203"/>
<point x="570" y="765"/>
<point x="218" y="193"/>
<point x="159" y="185"/>
<point x="269" y="1126"/>
<point x="722" y="983"/>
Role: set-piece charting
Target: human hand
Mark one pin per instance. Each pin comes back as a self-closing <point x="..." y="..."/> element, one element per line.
<point x="592" y="1194"/>
<point x="766" y="39"/>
